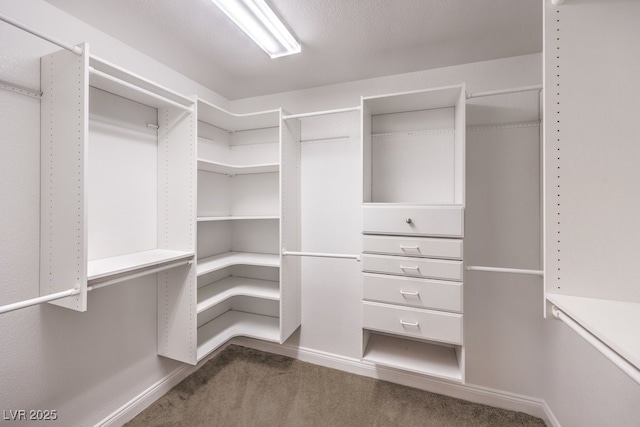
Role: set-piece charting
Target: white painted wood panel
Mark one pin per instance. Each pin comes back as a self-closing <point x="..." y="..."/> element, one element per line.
<point x="64" y="168"/>
<point x="413" y="266"/>
<point x="424" y="293"/>
<point x="413" y="246"/>
<point x="412" y="322"/>
<point x="437" y="221"/>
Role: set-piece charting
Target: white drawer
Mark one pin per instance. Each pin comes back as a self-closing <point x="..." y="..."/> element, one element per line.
<point x="413" y="246"/>
<point x="413" y="322"/>
<point x="443" y="221"/>
<point x="424" y="293"/>
<point x="414" y="267"/>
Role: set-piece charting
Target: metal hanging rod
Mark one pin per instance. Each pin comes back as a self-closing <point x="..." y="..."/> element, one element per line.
<point x="506" y="270"/>
<point x="504" y="91"/>
<point x="320" y="113"/>
<point x="20" y="89"/>
<point x="138" y="89"/>
<point x="321" y="255"/>
<point x="74" y="49"/>
<point x="607" y="351"/>
<point x="39" y="300"/>
<point x="139" y="274"/>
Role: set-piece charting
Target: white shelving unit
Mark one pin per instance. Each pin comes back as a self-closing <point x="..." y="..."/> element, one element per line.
<point x="140" y="214"/>
<point x="413" y="225"/>
<point x="591" y="224"/>
<point x="248" y="206"/>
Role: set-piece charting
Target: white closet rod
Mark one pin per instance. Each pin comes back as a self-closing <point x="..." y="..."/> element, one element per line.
<point x="506" y="270"/>
<point x="136" y="275"/>
<point x="610" y="354"/>
<point x="75" y="49"/>
<point x="504" y="91"/>
<point x="321" y="255"/>
<point x="320" y="113"/>
<point x="39" y="300"/>
<point x="138" y="89"/>
<point x="75" y="291"/>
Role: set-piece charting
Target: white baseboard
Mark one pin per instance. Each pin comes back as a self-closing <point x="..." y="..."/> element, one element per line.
<point x="139" y="403"/>
<point x="472" y="393"/>
<point x="550" y="416"/>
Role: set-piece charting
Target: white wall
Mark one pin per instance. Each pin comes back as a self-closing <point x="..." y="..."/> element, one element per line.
<point x="84" y="365"/>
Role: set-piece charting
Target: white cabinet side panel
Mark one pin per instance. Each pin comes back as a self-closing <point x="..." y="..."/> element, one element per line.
<point x="63" y="203"/>
<point x="290" y="223"/>
<point x="177" y="336"/>
<point x="592" y="150"/>
<point x="177" y="191"/>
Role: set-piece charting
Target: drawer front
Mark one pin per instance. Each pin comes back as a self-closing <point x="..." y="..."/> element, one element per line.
<point x="414" y="267"/>
<point x="413" y="322"/>
<point x="424" y="293"/>
<point x="438" y="221"/>
<point x="413" y="246"/>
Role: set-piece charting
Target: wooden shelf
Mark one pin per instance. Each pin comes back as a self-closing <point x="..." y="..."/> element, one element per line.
<point x="231" y="324"/>
<point x="612" y="322"/>
<point x="227" y="169"/>
<point x="420" y="357"/>
<point x="217" y="262"/>
<point x="101" y="268"/>
<point x="216" y="292"/>
<point x="237" y="218"/>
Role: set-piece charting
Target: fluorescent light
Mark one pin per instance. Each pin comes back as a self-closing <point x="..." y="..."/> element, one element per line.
<point x="259" y="22"/>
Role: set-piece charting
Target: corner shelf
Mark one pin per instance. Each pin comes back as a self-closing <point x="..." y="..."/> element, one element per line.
<point x="227" y="169"/>
<point x="216" y="292"/>
<point x="237" y="218"/>
<point x="231" y="324"/>
<point x="106" y="267"/>
<point x="218" y="262"/>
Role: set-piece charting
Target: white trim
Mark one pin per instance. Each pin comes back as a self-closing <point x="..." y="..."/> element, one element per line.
<point x="139" y="403"/>
<point x="550" y="416"/>
<point x="472" y="393"/>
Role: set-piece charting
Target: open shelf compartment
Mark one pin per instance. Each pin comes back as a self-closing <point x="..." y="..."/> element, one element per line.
<point x="421" y="357"/>
<point x="232" y="324"/>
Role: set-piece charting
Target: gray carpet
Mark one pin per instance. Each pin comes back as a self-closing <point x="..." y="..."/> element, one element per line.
<point x="246" y="387"/>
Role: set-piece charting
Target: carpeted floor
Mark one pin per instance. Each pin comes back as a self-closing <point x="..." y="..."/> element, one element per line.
<point x="246" y="387"/>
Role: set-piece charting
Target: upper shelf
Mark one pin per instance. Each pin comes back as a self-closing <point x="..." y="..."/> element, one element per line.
<point x="227" y="169"/>
<point x="118" y="81"/>
<point x="105" y="267"/>
<point x="232" y="122"/>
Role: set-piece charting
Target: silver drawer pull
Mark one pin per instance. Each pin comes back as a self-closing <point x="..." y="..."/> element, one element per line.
<point x="403" y="267"/>
<point x="408" y="221"/>
<point x="403" y="323"/>
<point x="410" y="294"/>
<point x="409" y="248"/>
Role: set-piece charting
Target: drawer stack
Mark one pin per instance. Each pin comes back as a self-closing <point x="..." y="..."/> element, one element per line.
<point x="412" y="291"/>
<point x="413" y="162"/>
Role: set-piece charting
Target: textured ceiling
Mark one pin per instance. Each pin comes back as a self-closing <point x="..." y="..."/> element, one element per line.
<point x="342" y="40"/>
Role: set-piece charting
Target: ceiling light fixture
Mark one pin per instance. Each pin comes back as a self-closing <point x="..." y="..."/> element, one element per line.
<point x="259" y="22"/>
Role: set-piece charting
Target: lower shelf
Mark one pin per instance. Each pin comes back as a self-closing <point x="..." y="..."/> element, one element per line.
<point x="420" y="357"/>
<point x="231" y="324"/>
